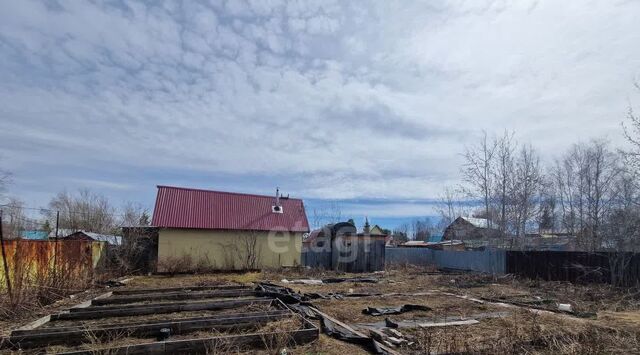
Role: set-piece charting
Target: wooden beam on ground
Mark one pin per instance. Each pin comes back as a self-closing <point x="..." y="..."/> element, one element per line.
<point x="36" y="323"/>
<point x="448" y="323"/>
<point x="357" y="332"/>
<point x="86" y="304"/>
<point x="136" y="291"/>
<point x="125" y="311"/>
<point x="84" y="327"/>
<point x="172" y="296"/>
<point x="217" y="344"/>
<point x="47" y="336"/>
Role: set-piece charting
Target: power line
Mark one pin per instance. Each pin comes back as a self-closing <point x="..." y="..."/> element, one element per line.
<point x="44" y="210"/>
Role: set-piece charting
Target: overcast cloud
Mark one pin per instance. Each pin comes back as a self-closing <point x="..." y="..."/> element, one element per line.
<point x="348" y="100"/>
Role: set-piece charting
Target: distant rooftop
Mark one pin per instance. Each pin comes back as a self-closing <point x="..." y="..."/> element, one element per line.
<point x="477" y="222"/>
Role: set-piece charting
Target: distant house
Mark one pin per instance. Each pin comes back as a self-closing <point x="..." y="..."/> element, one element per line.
<point x="376" y="230"/>
<point x="455" y="245"/>
<point x="318" y="239"/>
<point x="34" y="234"/>
<point x="467" y="228"/>
<point x="548" y="241"/>
<point x="227" y="230"/>
<point x="94" y="237"/>
<point x="340" y="247"/>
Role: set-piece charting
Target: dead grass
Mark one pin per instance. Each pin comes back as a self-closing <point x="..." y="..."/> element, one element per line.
<point x="616" y="330"/>
<point x="214" y="279"/>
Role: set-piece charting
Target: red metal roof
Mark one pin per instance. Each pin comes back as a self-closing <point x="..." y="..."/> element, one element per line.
<point x="178" y="207"/>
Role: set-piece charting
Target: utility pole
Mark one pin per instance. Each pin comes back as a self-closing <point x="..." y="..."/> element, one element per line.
<point x="55" y="247"/>
<point x="4" y="262"/>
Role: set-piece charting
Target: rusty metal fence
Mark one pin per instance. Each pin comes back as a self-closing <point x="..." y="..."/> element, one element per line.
<point x="28" y="261"/>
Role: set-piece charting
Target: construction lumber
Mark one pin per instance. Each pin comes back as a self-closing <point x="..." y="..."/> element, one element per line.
<point x="48" y="336"/>
<point x="181" y="295"/>
<point x="448" y="323"/>
<point x="125" y="311"/>
<point x="36" y="323"/>
<point x="381" y="346"/>
<point x="137" y="291"/>
<point x="82" y="326"/>
<point x="217" y="344"/>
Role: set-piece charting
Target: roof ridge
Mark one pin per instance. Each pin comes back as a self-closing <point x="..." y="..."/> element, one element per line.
<point x="222" y="192"/>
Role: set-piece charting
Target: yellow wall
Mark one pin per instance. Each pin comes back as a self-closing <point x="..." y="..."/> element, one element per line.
<point x="226" y="250"/>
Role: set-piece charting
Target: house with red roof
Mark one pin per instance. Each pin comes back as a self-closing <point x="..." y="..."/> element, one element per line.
<point x="217" y="230"/>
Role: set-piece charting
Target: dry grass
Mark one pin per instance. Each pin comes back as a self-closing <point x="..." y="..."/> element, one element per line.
<point x="616" y="330"/>
<point x="213" y="279"/>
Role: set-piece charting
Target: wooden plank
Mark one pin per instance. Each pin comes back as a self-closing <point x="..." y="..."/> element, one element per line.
<point x="152" y="304"/>
<point x="211" y="344"/>
<point x="71" y="337"/>
<point x="172" y="296"/>
<point x="90" y="313"/>
<point x="448" y="324"/>
<point x="88" y="303"/>
<point x="81" y="326"/>
<point x="349" y="328"/>
<point x="36" y="323"/>
<point x="135" y="291"/>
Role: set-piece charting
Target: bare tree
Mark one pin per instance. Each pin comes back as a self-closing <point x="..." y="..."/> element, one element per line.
<point x="585" y="180"/>
<point x="5" y="179"/>
<point x="248" y="250"/>
<point x="421" y="229"/>
<point x="84" y="211"/>
<point x="134" y="215"/>
<point x="547" y="210"/>
<point x="621" y="229"/>
<point x="632" y="134"/>
<point x="477" y="170"/>
<point x="527" y="182"/>
<point x="330" y="212"/>
<point x="503" y="174"/>
<point x="401" y="233"/>
<point x="451" y="205"/>
<point x="14" y="219"/>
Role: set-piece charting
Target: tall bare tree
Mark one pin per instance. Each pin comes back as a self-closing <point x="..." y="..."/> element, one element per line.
<point x="451" y="205"/>
<point x="547" y="209"/>
<point x="585" y="180"/>
<point x="632" y="134"/>
<point x="13" y="218"/>
<point x="527" y="182"/>
<point x="330" y="212"/>
<point x="401" y="233"/>
<point x="477" y="170"/>
<point x="134" y="215"/>
<point x="503" y="174"/>
<point x="5" y="178"/>
<point x="84" y="211"/>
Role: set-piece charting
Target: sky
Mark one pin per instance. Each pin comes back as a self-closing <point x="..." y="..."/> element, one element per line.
<point x="368" y="103"/>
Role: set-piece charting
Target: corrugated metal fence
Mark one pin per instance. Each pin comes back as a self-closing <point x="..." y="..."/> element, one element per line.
<point x="352" y="255"/>
<point x="317" y="259"/>
<point x="490" y="261"/>
<point x="29" y="259"/>
<point x="545" y="265"/>
<point x="576" y="266"/>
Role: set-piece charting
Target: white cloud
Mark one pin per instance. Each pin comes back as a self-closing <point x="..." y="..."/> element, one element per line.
<point x="340" y="99"/>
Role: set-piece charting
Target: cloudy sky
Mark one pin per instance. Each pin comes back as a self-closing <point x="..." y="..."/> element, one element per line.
<point x="369" y="102"/>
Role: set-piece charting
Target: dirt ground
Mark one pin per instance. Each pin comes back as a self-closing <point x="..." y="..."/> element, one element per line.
<point x="514" y="315"/>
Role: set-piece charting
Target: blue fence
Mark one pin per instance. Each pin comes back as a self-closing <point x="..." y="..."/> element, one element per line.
<point x="490" y="261"/>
